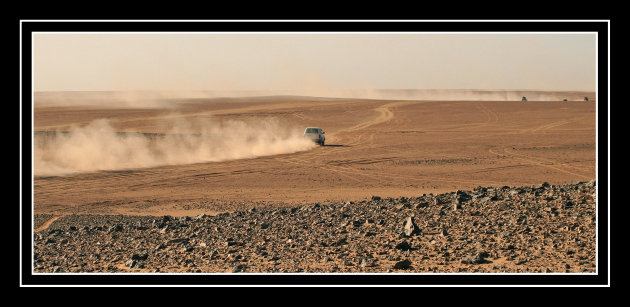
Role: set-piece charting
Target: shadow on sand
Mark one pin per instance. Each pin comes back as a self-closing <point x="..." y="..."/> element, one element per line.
<point x="335" y="145"/>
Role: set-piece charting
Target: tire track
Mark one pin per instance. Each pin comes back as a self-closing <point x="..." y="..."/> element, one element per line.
<point x="549" y="126"/>
<point x="47" y="223"/>
<point x="385" y="115"/>
<point x="489" y="111"/>
<point x="323" y="167"/>
<point x="549" y="164"/>
<point x="491" y="117"/>
<point x="418" y="177"/>
<point x="555" y="124"/>
<point x="358" y="173"/>
<point x="542" y="160"/>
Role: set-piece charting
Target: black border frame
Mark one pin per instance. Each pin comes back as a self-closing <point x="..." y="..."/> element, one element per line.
<point x="602" y="278"/>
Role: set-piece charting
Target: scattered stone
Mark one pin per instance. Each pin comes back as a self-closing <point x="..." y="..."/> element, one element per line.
<point x="402" y="265"/>
<point x="131" y="263"/>
<point x="176" y="241"/>
<point x="477" y="258"/>
<point x="456" y="204"/>
<point x="238" y="268"/>
<point x="410" y="228"/>
<point x="533" y="228"/>
<point x="366" y="262"/>
<point x="404" y="245"/>
<point x="341" y="241"/>
<point x="140" y="256"/>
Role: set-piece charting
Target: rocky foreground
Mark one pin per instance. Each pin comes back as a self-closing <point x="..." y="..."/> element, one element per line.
<point x="509" y="229"/>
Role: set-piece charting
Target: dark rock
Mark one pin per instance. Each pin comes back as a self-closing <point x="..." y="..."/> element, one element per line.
<point x="463" y="196"/>
<point x="341" y="241"/>
<point x="505" y="206"/>
<point x="551" y="228"/>
<point x="402" y="265"/>
<point x="238" y="268"/>
<point x="176" y="241"/>
<point x="140" y="256"/>
<point x="404" y="245"/>
<point x="418" y="205"/>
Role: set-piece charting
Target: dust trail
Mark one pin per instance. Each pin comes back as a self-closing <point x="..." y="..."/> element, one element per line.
<point x="172" y="99"/>
<point x="98" y="146"/>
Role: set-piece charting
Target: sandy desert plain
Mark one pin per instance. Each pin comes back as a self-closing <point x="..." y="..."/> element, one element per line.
<point x="400" y="186"/>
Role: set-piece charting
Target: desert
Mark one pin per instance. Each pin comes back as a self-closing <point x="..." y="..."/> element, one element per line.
<point x="406" y="182"/>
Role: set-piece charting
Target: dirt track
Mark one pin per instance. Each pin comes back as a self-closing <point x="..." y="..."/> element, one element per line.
<point x="374" y="147"/>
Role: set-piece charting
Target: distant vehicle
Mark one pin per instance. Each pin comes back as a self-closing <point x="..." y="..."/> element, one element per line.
<point x="565" y="99"/>
<point x="316" y="135"/>
<point x="586" y="99"/>
<point x="524" y="98"/>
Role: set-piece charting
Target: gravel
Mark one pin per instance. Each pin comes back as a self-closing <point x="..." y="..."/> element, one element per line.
<point x="545" y="228"/>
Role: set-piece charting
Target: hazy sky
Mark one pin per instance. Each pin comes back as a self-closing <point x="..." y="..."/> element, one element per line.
<point x="259" y="61"/>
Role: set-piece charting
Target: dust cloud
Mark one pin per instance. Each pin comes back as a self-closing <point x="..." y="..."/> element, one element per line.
<point x="172" y="99"/>
<point x="443" y="94"/>
<point x="114" y="99"/>
<point x="98" y="146"/>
